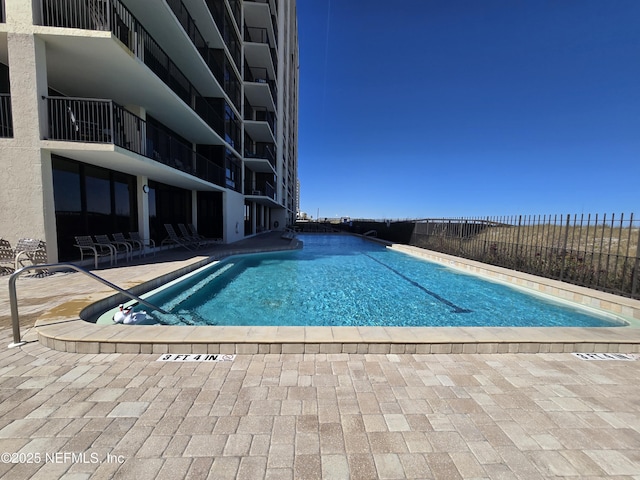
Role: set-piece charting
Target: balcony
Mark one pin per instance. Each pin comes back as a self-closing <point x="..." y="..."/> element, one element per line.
<point x="103" y="121"/>
<point x="260" y="124"/>
<point x="236" y="11"/>
<point x="216" y="9"/>
<point x="210" y="56"/>
<point x="112" y="16"/>
<point x="260" y="89"/>
<point x="260" y="157"/>
<point x="272" y="3"/>
<point x="258" y="49"/>
<point x="6" y="119"/>
<point x="262" y="13"/>
<point x="263" y="190"/>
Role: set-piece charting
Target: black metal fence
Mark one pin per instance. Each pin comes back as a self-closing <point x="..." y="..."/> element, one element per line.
<point x="595" y="251"/>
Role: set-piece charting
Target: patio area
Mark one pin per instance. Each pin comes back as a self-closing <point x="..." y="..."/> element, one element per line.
<point x="309" y="416"/>
<point x="306" y="413"/>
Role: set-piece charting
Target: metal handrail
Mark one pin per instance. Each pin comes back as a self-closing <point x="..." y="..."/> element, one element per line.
<point x="13" y="298"/>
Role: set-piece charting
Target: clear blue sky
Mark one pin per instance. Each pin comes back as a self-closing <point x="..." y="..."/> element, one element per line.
<point x="436" y="108"/>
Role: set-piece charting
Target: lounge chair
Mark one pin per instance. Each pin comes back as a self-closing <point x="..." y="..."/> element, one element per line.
<point x="195" y="233"/>
<point x="120" y="247"/>
<point x="87" y="245"/>
<point x="135" y="238"/>
<point x="7" y="256"/>
<point x="189" y="236"/>
<point x="174" y="239"/>
<point x="30" y="249"/>
<point x="133" y="246"/>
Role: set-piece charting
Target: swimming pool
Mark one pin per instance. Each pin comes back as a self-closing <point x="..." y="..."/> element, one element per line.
<point x="341" y="280"/>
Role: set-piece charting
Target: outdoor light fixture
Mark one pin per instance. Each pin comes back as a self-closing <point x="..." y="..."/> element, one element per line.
<point x="145" y="188"/>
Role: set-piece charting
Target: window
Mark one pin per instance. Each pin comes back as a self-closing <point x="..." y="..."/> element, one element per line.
<point x="167" y="204"/>
<point x="232" y="170"/>
<point x="90" y="200"/>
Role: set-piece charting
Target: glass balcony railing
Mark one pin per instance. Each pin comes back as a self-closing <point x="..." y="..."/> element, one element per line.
<point x="104" y="121"/>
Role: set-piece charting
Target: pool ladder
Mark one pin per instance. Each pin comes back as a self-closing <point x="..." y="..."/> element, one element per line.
<point x="13" y="298"/>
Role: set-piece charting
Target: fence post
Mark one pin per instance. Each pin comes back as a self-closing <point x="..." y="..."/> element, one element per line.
<point x="517" y="244"/>
<point x="564" y="246"/>
<point x="636" y="267"/>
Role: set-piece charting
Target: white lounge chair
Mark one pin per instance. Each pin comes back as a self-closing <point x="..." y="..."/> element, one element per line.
<point x="7" y="257"/>
<point x="87" y="245"/>
<point x="135" y="238"/>
<point x="202" y="238"/>
<point x="120" y="247"/>
<point x="133" y="246"/>
<point x="30" y="249"/>
<point x="174" y="239"/>
<point x="27" y="249"/>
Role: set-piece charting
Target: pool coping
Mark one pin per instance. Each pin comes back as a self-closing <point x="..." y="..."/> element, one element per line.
<point x="79" y="336"/>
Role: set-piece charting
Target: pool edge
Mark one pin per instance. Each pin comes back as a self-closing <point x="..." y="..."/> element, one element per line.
<point x="71" y="336"/>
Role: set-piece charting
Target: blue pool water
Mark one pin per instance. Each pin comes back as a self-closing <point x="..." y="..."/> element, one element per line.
<point x="338" y="280"/>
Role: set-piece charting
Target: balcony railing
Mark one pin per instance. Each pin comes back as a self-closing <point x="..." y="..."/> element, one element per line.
<point x="260" y="35"/>
<point x="262" y="189"/>
<point x="235" y="9"/>
<point x="216" y="8"/>
<point x="104" y="121"/>
<point x="261" y="150"/>
<point x="273" y="12"/>
<point x="112" y="15"/>
<point x="256" y="35"/>
<point x="261" y="75"/>
<point x="6" y="119"/>
<point x="260" y="114"/>
<point x="192" y="31"/>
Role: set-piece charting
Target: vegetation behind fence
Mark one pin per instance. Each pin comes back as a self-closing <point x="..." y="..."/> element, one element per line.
<point x="600" y="252"/>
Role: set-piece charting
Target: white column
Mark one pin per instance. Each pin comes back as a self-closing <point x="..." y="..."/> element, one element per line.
<point x="194" y="207"/>
<point x="143" y="207"/>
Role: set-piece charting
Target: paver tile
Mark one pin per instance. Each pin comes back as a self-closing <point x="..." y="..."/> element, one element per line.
<point x="366" y="415"/>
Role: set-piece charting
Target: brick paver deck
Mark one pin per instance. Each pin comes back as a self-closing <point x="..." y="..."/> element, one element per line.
<point x="68" y="415"/>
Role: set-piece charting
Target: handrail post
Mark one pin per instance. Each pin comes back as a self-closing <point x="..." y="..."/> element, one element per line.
<point x="13" y="302"/>
<point x="13" y="297"/>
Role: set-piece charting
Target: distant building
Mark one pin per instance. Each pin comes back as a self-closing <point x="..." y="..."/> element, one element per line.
<point x="298" y="197"/>
<point x="124" y="115"/>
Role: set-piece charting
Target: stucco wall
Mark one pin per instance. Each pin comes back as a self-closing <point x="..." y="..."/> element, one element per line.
<point x="26" y="196"/>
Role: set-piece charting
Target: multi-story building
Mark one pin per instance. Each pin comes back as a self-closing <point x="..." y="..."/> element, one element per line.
<point x="124" y="115"/>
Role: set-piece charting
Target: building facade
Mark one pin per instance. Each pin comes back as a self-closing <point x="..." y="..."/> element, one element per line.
<point x="123" y="115"/>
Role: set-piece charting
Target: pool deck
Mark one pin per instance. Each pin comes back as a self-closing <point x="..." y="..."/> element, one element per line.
<point x="308" y="415"/>
<point x="57" y="300"/>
